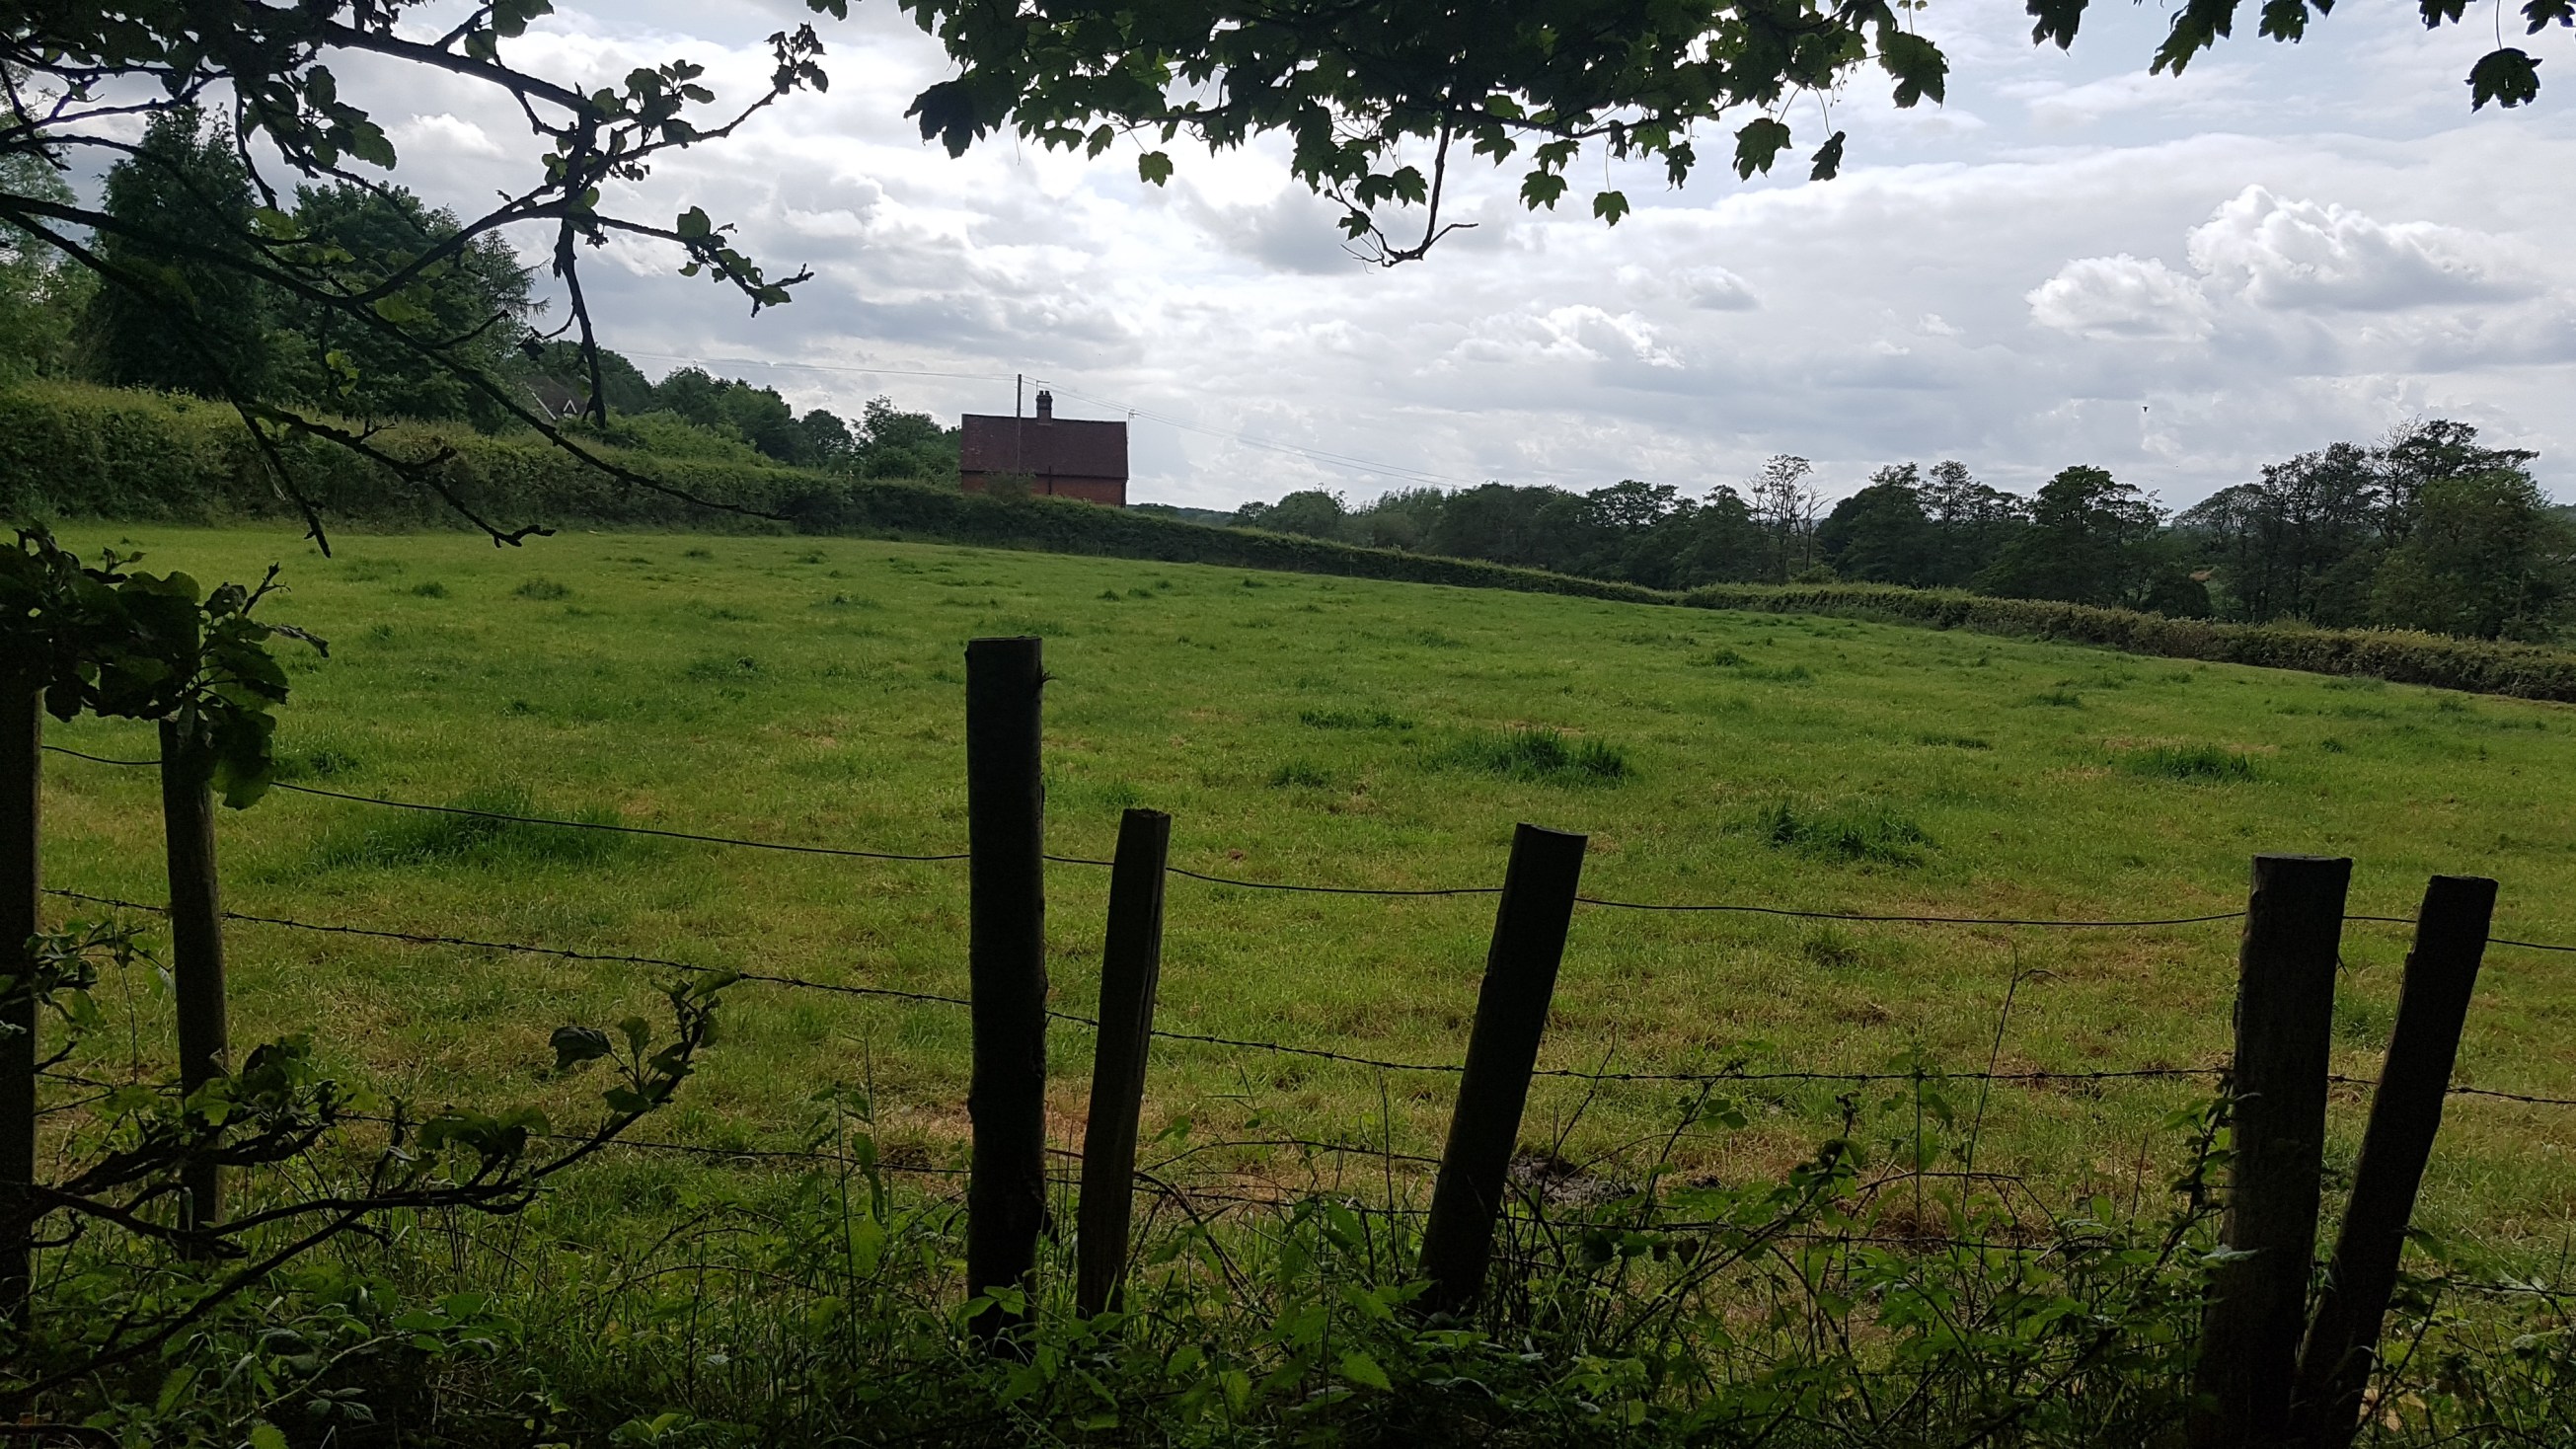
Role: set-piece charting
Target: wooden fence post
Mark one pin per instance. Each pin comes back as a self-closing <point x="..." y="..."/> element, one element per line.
<point x="2405" y="1113"/>
<point x="1511" y="1013"/>
<point x="22" y="738"/>
<point x="1131" y="965"/>
<point x="2249" y="1336"/>
<point x="196" y="942"/>
<point x="1006" y="960"/>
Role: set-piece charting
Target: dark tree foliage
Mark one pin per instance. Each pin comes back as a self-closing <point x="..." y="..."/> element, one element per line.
<point x="561" y="376"/>
<point x="191" y="315"/>
<point x="1376" y="99"/>
<point x="2485" y="556"/>
<point x="2336" y="537"/>
<point x="42" y="297"/>
<point x="1881" y="535"/>
<point x="892" y="443"/>
<point x="2093" y="539"/>
<point x="475" y="294"/>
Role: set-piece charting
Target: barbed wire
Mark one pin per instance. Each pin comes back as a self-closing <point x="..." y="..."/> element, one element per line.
<point x="418" y="938"/>
<point x="1720" y="1076"/>
<point x="1607" y="903"/>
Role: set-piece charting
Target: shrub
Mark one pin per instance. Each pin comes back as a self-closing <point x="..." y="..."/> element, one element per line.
<point x="1543" y="755"/>
<point x="543" y="589"/>
<point x="2196" y="764"/>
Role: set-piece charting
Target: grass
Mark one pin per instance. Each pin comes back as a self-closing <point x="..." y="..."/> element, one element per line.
<point x="2201" y="764"/>
<point x="1332" y="732"/>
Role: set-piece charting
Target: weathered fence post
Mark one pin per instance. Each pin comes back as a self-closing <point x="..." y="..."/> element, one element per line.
<point x="196" y="942"/>
<point x="1006" y="962"/>
<point x="1130" y="967"/>
<point x="22" y="737"/>
<point x="2249" y="1337"/>
<point x="1511" y="1013"/>
<point x="2405" y="1113"/>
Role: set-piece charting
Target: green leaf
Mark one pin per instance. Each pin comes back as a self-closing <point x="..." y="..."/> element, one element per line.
<point x="2508" y="77"/>
<point x="1154" y="167"/>
<point x="1757" y="144"/>
<point x="693" y="223"/>
<point x="575" y="1045"/>
<point x="265" y="1435"/>
<point x="2540" y="12"/>
<point x="1541" y="188"/>
<point x="1918" y="65"/>
<point x="2057" y="19"/>
<point x="1362" y="1370"/>
<point x="1609" y="206"/>
<point x="1829" y="164"/>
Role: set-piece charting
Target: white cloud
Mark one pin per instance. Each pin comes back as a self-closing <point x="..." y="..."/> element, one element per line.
<point x="2122" y="296"/>
<point x="2306" y="256"/>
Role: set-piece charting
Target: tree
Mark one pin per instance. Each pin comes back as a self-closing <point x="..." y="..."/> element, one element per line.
<point x="1310" y="511"/>
<point x="1376" y="98"/>
<point x="189" y="314"/>
<point x="1881" y="534"/>
<point x="41" y="295"/>
<point x="1971" y="522"/>
<point x="1785" y="506"/>
<point x="2487" y="557"/>
<point x="2093" y="540"/>
<point x="564" y="371"/>
<point x="893" y="443"/>
<point x="476" y="292"/>
<point x="2302" y="542"/>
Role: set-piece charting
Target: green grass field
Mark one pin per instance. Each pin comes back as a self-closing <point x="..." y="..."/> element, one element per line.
<point x="1340" y="733"/>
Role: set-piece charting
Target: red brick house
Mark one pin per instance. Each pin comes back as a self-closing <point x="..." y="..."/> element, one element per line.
<point x="1061" y="457"/>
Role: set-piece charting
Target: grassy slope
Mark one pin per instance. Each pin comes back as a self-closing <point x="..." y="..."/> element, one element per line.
<point x="810" y="690"/>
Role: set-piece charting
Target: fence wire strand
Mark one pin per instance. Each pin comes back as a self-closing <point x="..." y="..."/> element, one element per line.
<point x="1383" y="1064"/>
<point x="1398" y="892"/>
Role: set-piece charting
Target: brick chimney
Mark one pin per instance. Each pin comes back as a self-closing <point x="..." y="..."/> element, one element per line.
<point x="1046" y="406"/>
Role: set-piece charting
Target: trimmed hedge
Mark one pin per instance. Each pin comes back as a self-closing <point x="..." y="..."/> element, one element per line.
<point x="71" y="450"/>
<point x="2527" y="671"/>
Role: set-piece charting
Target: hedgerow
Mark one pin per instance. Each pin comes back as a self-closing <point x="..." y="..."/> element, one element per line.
<point x="73" y="451"/>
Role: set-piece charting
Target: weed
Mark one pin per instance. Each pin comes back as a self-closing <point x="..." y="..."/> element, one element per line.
<point x="1353" y="719"/>
<point x="427" y="839"/>
<point x="2056" y="699"/>
<point x="2194" y="764"/>
<point x="321" y="762"/>
<point x="2333" y="746"/>
<point x="1955" y="742"/>
<point x="543" y="589"/>
<point x="1862" y="831"/>
<point x="723" y="671"/>
<point x="1543" y="755"/>
<point x="431" y="590"/>
<point x="1746" y="669"/>
<point x="697" y="553"/>
<point x="1303" y="774"/>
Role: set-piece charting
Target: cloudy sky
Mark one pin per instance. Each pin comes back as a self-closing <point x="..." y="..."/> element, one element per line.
<point x="2070" y="262"/>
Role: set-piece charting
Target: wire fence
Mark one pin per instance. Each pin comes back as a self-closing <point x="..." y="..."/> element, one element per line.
<point x="1390" y="892"/>
<point x="1384" y="1064"/>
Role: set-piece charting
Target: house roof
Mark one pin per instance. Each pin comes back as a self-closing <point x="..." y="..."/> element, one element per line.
<point x="1073" y="447"/>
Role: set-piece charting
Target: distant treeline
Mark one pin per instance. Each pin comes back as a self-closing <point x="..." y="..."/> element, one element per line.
<point x="186" y="183"/>
<point x="2426" y="530"/>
